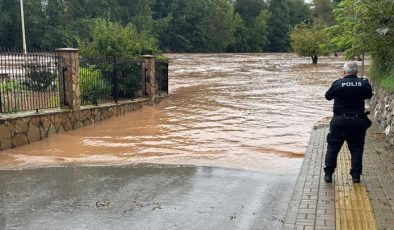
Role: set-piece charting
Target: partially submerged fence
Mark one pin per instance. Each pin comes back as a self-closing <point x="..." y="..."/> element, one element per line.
<point x="105" y="80"/>
<point x="41" y="80"/>
<point x="30" y="82"/>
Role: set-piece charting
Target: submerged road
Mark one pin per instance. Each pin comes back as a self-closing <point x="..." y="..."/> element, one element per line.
<point x="222" y="152"/>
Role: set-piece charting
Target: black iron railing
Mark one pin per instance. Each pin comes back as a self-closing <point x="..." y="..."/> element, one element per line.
<point x="162" y="76"/>
<point x="37" y="80"/>
<point x="109" y="79"/>
<point x="30" y="82"/>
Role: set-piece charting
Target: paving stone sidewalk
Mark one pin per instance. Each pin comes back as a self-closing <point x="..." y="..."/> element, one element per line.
<point x="315" y="204"/>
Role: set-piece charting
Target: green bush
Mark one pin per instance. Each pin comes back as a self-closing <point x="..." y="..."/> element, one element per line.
<point x="54" y="101"/>
<point x="108" y="38"/>
<point x="7" y="90"/>
<point x="129" y="80"/>
<point x="39" y="78"/>
<point x="383" y="79"/>
<point x="10" y="85"/>
<point x="93" y="86"/>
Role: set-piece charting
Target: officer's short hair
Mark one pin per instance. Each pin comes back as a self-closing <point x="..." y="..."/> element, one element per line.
<point x="350" y="68"/>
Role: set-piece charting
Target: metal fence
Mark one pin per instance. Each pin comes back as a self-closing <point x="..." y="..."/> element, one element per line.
<point x="36" y="80"/>
<point x="162" y="76"/>
<point x="30" y="82"/>
<point x="105" y="80"/>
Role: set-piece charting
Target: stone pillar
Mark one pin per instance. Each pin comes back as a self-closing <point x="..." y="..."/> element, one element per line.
<point x="148" y="70"/>
<point x="71" y="93"/>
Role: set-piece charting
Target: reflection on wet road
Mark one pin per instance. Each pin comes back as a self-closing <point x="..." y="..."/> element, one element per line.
<point x="242" y="111"/>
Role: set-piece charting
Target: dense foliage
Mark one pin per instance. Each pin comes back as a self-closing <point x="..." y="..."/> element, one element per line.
<point x="147" y="26"/>
<point x="39" y="78"/>
<point x="279" y="26"/>
<point x="367" y="27"/>
<point x="127" y="28"/>
<point x="93" y="85"/>
<point x="112" y="39"/>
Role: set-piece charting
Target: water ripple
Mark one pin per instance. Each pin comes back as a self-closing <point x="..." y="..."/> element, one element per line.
<point x="247" y="111"/>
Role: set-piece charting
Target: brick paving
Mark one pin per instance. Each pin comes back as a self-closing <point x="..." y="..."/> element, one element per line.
<point x="379" y="177"/>
<point x="313" y="204"/>
<point x="353" y="208"/>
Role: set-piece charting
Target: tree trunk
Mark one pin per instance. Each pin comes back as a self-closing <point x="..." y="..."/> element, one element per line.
<point x="362" y="65"/>
<point x="314" y="59"/>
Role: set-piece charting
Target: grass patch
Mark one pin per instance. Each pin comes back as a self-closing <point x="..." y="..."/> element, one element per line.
<point x="384" y="80"/>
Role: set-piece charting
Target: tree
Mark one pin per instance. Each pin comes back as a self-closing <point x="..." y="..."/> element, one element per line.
<point x="258" y="40"/>
<point x="299" y="12"/>
<point x="10" y="29"/>
<point x="10" y="23"/>
<point x="215" y="31"/>
<point x="309" y="41"/>
<point x="162" y="18"/>
<point x="344" y="34"/>
<point x="249" y="9"/>
<point x="178" y="25"/>
<point x="137" y="12"/>
<point x="336" y="2"/>
<point x="184" y="16"/>
<point x="109" y="38"/>
<point x="251" y="34"/>
<point x="323" y="12"/>
<point x="279" y="25"/>
<point x="367" y="26"/>
<point x="57" y="34"/>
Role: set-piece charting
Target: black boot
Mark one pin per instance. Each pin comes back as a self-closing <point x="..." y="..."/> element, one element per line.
<point x="356" y="180"/>
<point x="328" y="178"/>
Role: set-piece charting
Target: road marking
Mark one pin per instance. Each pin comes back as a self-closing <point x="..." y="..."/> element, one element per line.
<point x="353" y="208"/>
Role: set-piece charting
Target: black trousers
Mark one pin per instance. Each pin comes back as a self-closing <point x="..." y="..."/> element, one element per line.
<point x="349" y="129"/>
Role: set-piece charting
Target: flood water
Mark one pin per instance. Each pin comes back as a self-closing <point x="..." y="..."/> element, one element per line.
<point x="240" y="111"/>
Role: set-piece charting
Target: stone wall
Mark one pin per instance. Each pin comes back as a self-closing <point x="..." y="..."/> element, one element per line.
<point x="24" y="128"/>
<point x="381" y="106"/>
<point x="21" y="129"/>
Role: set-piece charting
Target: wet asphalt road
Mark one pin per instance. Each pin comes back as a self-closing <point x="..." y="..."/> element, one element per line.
<point x="143" y="197"/>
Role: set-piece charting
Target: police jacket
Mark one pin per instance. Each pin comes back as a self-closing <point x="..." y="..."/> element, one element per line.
<point x="349" y="94"/>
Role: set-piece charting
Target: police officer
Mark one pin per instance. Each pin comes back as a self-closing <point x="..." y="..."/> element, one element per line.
<point x="350" y="122"/>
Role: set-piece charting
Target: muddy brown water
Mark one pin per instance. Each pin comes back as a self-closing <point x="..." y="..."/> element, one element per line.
<point x="241" y="111"/>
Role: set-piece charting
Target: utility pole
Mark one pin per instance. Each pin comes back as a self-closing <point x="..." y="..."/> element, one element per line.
<point x="23" y="28"/>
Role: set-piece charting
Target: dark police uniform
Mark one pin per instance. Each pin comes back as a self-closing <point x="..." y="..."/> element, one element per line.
<point x="349" y="122"/>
